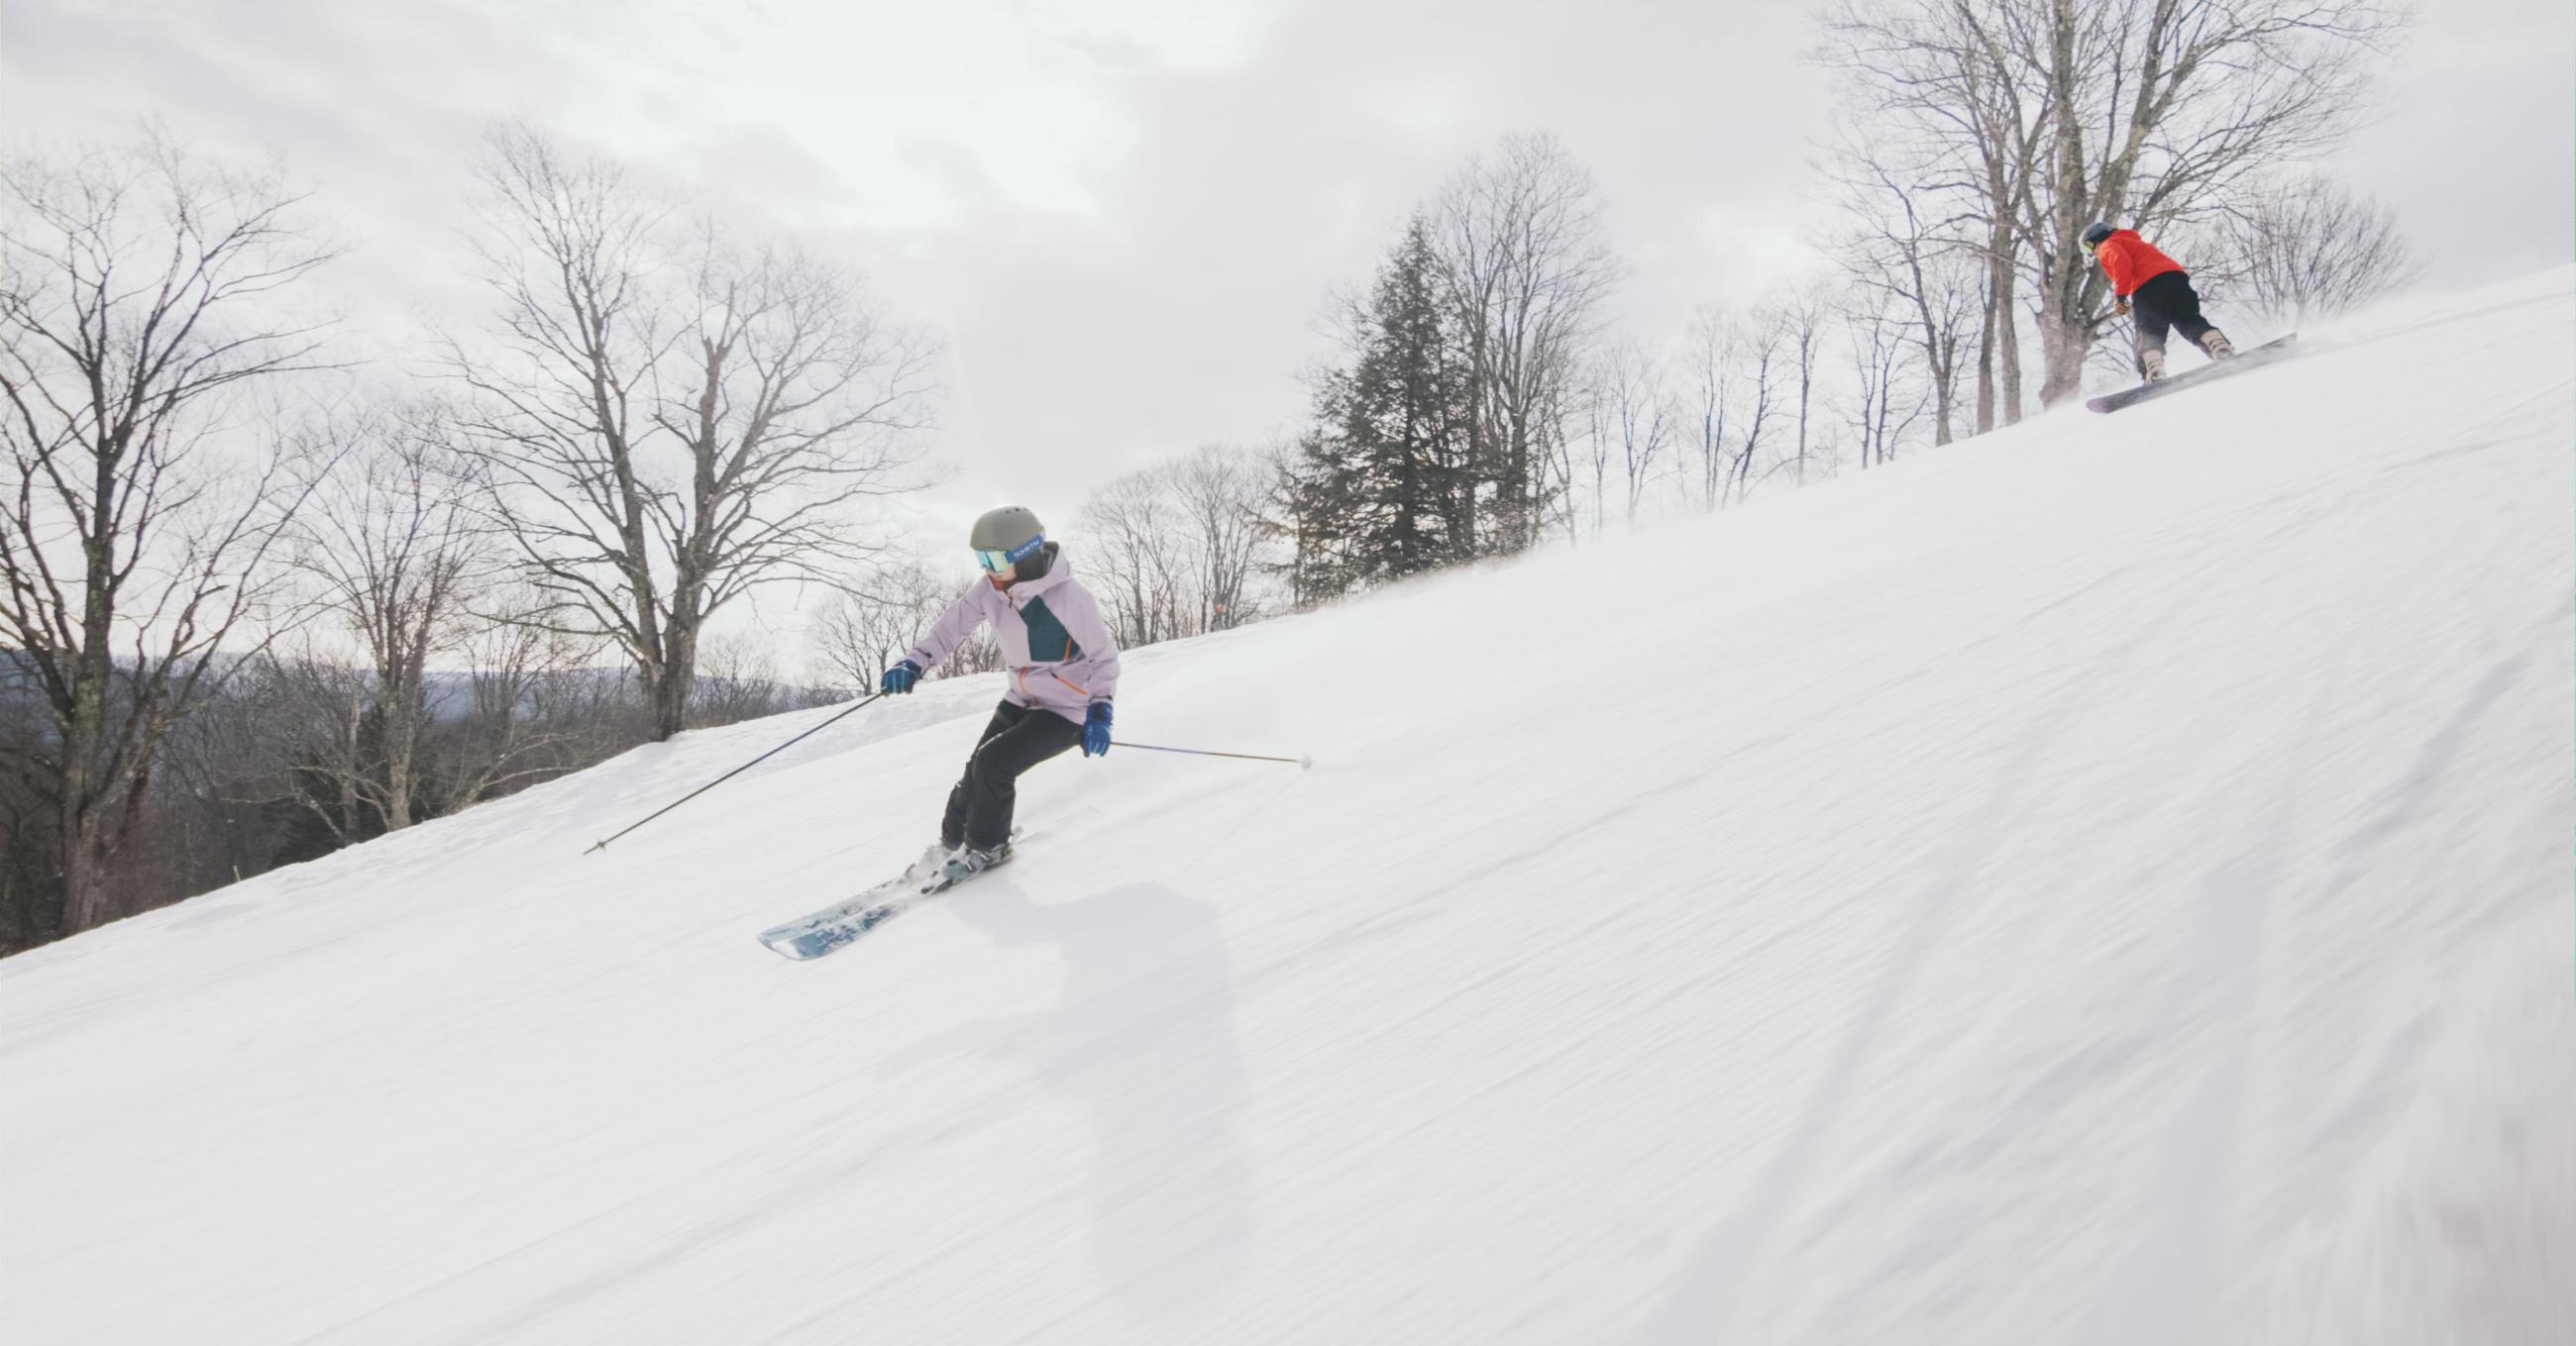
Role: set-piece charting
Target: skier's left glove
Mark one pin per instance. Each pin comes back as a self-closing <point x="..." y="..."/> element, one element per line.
<point x="1095" y="730"/>
<point x="2121" y="306"/>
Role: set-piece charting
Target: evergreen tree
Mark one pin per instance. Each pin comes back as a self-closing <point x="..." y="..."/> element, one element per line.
<point x="1382" y="487"/>
<point x="1414" y="390"/>
<point x="1322" y="496"/>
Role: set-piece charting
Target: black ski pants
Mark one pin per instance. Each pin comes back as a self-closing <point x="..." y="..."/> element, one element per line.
<point x="979" y="809"/>
<point x="2163" y="303"/>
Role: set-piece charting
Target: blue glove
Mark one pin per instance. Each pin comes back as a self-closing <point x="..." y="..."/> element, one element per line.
<point x="900" y="677"/>
<point x="1095" y="730"/>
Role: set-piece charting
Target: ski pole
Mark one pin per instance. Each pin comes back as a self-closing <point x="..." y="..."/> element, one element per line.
<point x="1301" y="762"/>
<point x="735" y="772"/>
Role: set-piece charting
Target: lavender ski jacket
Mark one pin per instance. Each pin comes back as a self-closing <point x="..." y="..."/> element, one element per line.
<point x="1055" y="643"/>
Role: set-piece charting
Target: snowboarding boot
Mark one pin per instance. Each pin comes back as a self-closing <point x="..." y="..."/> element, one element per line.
<point x="2217" y="344"/>
<point x="2151" y="363"/>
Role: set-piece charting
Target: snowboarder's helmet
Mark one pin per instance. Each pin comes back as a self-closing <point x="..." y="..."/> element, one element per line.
<point x="1006" y="536"/>
<point x="2094" y="233"/>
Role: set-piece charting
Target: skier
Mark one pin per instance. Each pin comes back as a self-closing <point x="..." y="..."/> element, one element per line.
<point x="2159" y="289"/>
<point x="1063" y="663"/>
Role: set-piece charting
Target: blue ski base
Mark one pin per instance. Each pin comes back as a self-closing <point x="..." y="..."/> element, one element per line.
<point x="841" y="924"/>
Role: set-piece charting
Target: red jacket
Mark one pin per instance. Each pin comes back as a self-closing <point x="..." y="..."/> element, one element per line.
<point x="2131" y="261"/>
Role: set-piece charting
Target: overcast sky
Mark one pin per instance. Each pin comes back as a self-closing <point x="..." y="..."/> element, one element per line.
<point x="1122" y="217"/>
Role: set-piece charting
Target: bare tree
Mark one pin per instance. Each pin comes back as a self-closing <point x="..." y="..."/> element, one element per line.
<point x="1890" y="400"/>
<point x="207" y="780"/>
<point x="1136" y="546"/>
<point x="869" y="627"/>
<point x="1938" y="117"/>
<point x="1524" y="268"/>
<point x="1755" y="349"/>
<point x="320" y="750"/>
<point x="2306" y="245"/>
<point x="1707" y="347"/>
<point x="2163" y="111"/>
<point x="1599" y="439"/>
<point x="664" y="424"/>
<point x="1182" y="548"/>
<point x="533" y="703"/>
<point x="1630" y="420"/>
<point x="1804" y="316"/>
<point x="1557" y="431"/>
<point x="2055" y="113"/>
<point x="1219" y="492"/>
<point x="1901" y="252"/>
<point x="1738" y="372"/>
<point x="140" y="302"/>
<point x="390" y="550"/>
<point x="738" y="680"/>
<point x="979" y="653"/>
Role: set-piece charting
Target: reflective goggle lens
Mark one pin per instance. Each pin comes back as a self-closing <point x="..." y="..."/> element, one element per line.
<point x="996" y="561"/>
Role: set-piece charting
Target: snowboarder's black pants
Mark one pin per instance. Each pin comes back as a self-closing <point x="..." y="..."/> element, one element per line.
<point x="2167" y="302"/>
<point x="979" y="809"/>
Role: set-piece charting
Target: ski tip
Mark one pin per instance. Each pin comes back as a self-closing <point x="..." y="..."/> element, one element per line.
<point x="801" y="949"/>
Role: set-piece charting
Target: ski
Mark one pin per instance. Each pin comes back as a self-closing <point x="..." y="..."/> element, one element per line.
<point x="841" y="924"/>
<point x="2244" y="360"/>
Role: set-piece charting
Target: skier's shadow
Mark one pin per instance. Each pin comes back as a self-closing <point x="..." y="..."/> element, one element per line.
<point x="1144" y="1041"/>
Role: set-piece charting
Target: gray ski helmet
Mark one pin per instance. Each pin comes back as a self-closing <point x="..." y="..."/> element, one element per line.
<point x="2094" y="233"/>
<point x="1005" y="536"/>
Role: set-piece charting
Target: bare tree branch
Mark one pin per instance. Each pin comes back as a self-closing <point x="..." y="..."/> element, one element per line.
<point x="663" y="420"/>
<point x="138" y="298"/>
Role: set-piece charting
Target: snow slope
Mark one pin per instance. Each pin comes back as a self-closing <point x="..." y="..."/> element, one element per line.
<point x="2107" y="881"/>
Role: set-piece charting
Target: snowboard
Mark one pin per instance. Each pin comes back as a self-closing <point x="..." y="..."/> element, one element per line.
<point x="841" y="924"/>
<point x="2264" y="354"/>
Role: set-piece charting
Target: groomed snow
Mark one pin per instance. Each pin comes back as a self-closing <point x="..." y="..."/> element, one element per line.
<point x="2105" y="881"/>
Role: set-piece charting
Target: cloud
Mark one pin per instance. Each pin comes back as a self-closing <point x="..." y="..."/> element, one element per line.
<point x="1126" y="216"/>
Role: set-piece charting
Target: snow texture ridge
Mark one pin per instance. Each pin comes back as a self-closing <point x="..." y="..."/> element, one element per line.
<point x="2104" y="881"/>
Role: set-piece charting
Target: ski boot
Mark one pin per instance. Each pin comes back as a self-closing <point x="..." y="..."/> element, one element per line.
<point x="2217" y="345"/>
<point x="2151" y="364"/>
<point x="969" y="860"/>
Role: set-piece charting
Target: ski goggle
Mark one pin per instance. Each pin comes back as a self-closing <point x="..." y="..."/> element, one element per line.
<point x="996" y="560"/>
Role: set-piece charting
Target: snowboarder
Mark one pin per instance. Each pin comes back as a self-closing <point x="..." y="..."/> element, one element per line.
<point x="2159" y="290"/>
<point x="1063" y="663"/>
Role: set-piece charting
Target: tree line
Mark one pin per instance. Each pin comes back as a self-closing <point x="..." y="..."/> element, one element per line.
<point x="1480" y="402"/>
<point x="1977" y="138"/>
<point x="264" y="599"/>
<point x="257" y="603"/>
